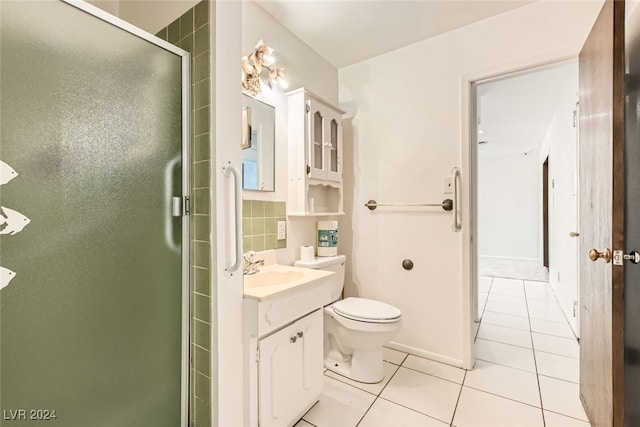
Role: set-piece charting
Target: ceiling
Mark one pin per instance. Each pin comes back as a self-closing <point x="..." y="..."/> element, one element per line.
<point x="345" y="32"/>
<point x="514" y="113"/>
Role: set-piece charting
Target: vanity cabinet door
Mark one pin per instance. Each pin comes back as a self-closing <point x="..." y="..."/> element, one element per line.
<point x="312" y="356"/>
<point x="290" y="371"/>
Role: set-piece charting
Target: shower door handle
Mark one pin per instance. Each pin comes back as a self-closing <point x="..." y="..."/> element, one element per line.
<point x="457" y="225"/>
<point x="172" y="209"/>
<point x="228" y="169"/>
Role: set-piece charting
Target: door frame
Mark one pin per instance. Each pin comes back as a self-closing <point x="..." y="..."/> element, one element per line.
<point x="186" y="189"/>
<point x="469" y="191"/>
<point x="577" y="244"/>
<point x="545" y="213"/>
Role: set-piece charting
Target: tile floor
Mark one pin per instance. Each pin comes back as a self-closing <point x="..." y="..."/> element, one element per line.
<point x="526" y="373"/>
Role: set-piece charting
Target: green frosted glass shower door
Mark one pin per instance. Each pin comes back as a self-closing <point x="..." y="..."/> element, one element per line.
<point x="91" y="263"/>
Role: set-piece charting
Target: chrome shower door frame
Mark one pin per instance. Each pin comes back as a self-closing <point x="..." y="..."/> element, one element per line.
<point x="186" y="142"/>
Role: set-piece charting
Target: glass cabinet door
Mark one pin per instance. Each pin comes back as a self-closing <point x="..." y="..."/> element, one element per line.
<point x="325" y="142"/>
<point x="316" y="147"/>
<point x="334" y="149"/>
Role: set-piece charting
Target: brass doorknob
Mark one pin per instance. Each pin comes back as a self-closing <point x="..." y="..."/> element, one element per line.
<point x="605" y="255"/>
<point x="574" y="234"/>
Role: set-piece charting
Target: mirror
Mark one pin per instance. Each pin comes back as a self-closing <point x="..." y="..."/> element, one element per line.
<point x="258" y="145"/>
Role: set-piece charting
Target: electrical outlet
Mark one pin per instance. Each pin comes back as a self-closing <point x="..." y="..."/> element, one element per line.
<point x="448" y="185"/>
<point x="282" y="230"/>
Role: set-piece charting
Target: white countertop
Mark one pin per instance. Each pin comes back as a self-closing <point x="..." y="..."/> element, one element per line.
<point x="276" y="279"/>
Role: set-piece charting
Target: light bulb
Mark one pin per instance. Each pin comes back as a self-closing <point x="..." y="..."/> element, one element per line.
<point x="268" y="59"/>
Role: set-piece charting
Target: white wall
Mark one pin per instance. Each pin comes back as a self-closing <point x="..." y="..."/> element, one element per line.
<point x="509" y="202"/>
<point x="150" y="15"/>
<point x="406" y="109"/>
<point x="227" y="317"/>
<point x="111" y="6"/>
<point x="303" y="68"/>
<point x="153" y="15"/>
<point x="560" y="145"/>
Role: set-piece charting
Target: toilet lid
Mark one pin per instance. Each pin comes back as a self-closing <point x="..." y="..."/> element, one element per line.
<point x="366" y="310"/>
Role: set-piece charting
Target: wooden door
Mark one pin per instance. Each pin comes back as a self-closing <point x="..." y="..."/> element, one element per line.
<point x="601" y="174"/>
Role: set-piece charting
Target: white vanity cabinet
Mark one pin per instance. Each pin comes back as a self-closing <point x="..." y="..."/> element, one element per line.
<point x="283" y="329"/>
<point x="289" y="371"/>
<point x="315" y="155"/>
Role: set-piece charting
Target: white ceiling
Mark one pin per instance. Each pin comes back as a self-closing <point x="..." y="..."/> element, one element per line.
<point x="515" y="112"/>
<point x="348" y="31"/>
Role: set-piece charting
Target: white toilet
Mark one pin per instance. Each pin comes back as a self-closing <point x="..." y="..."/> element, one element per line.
<point x="355" y="329"/>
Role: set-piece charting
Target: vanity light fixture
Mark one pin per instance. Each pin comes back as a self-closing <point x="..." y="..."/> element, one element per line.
<point x="252" y="66"/>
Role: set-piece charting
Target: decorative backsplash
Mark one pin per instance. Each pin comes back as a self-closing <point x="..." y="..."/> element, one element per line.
<point x="260" y="225"/>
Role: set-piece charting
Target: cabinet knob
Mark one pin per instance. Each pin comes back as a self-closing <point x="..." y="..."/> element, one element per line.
<point x="300" y="334"/>
<point x="294" y="339"/>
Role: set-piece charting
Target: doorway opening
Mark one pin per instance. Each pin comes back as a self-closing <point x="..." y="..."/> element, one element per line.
<point x="524" y="214"/>
<point x="524" y="155"/>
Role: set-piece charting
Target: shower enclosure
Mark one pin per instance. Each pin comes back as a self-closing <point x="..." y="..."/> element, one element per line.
<point x="94" y="299"/>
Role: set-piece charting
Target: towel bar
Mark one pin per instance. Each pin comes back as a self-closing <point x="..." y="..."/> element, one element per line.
<point x="446" y="204"/>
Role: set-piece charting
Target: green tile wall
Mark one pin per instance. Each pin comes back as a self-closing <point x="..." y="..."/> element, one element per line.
<point x="260" y="225"/>
<point x="191" y="32"/>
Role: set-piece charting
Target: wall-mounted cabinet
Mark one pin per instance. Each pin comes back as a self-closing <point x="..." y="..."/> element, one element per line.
<point x="315" y="156"/>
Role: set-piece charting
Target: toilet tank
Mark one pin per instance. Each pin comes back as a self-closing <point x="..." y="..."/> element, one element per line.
<point x="328" y="263"/>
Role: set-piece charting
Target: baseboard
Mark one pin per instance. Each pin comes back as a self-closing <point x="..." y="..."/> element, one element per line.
<point x="567" y="314"/>
<point x="436" y="357"/>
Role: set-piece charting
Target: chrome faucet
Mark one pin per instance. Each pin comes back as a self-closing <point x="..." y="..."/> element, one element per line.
<point x="251" y="265"/>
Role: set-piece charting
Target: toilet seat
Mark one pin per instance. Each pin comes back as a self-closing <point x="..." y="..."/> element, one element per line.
<point x="367" y="310"/>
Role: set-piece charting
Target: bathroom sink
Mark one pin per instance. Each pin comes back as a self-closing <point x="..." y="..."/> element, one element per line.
<point x="271" y="278"/>
<point x="276" y="279"/>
